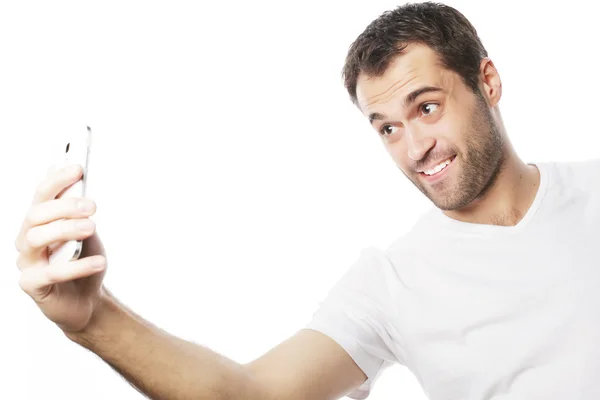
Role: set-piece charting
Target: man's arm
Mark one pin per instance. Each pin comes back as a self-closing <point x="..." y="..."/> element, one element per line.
<point x="71" y="294"/>
<point x="309" y="365"/>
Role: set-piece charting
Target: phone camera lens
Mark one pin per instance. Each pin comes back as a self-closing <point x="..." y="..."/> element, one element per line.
<point x="68" y="145"/>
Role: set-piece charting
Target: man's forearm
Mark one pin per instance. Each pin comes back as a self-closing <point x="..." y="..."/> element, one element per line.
<point x="159" y="364"/>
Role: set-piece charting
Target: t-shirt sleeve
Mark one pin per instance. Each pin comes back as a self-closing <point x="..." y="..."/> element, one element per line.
<point x="352" y="315"/>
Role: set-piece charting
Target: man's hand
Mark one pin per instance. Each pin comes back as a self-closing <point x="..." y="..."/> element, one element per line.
<point x="66" y="292"/>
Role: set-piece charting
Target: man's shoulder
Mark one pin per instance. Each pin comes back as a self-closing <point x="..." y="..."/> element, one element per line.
<point x="585" y="173"/>
<point x="578" y="165"/>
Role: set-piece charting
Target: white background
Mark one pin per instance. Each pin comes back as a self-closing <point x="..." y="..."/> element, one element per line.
<point x="235" y="182"/>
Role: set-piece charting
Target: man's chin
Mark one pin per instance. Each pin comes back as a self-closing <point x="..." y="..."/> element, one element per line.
<point x="440" y="195"/>
<point x="440" y="203"/>
<point x="444" y="206"/>
<point x="442" y="199"/>
<point x="450" y="200"/>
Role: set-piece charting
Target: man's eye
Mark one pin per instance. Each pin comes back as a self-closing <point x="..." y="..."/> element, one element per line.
<point x="387" y="130"/>
<point x="429" y="108"/>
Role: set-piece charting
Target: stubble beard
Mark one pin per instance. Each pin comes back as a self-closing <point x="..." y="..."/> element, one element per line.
<point x="479" y="165"/>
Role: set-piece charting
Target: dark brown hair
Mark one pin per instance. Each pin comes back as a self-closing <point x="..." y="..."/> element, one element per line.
<point x="443" y="28"/>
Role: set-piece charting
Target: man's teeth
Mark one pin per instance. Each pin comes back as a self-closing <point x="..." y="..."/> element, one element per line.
<point x="438" y="167"/>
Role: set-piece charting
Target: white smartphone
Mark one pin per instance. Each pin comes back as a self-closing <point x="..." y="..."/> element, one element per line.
<point x="76" y="151"/>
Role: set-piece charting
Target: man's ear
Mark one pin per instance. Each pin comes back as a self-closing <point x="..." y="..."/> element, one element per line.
<point x="491" y="82"/>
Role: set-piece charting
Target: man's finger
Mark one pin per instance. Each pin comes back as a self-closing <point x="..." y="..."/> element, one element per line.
<point x="53" y="210"/>
<point x="39" y="237"/>
<point x="36" y="281"/>
<point x="47" y="190"/>
<point x="52" y="169"/>
<point x="57" y="182"/>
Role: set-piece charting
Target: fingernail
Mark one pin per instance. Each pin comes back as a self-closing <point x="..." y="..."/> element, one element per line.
<point x="85" y="206"/>
<point x="85" y="225"/>
<point x="97" y="263"/>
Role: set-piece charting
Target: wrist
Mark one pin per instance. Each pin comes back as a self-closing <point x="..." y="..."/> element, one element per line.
<point x="96" y="326"/>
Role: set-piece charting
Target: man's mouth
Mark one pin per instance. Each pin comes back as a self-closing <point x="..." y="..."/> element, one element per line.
<point x="438" y="171"/>
<point x="439" y="167"/>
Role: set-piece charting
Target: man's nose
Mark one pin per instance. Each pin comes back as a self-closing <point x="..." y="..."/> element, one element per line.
<point x="419" y="143"/>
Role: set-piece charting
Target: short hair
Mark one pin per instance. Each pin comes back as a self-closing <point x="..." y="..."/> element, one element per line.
<point x="441" y="27"/>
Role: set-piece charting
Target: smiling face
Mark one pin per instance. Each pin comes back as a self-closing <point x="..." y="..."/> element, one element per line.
<point x="440" y="134"/>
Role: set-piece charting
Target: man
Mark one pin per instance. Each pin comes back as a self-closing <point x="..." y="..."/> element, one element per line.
<point x="491" y="295"/>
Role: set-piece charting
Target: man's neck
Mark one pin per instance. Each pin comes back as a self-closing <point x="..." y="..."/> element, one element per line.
<point x="507" y="201"/>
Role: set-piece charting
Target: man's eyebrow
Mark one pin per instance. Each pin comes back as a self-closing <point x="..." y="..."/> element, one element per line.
<point x="374" y="116"/>
<point x="408" y="100"/>
<point x="412" y="96"/>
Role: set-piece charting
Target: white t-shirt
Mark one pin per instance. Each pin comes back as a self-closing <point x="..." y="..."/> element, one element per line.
<point x="482" y="311"/>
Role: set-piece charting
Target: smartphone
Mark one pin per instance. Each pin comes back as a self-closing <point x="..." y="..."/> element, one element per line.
<point x="76" y="151"/>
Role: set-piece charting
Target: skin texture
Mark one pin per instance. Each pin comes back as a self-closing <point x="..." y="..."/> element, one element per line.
<point x="486" y="182"/>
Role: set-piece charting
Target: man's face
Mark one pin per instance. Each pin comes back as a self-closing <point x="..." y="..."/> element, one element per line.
<point x="440" y="134"/>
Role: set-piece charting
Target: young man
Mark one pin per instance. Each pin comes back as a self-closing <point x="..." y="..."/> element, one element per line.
<point x="491" y="295"/>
